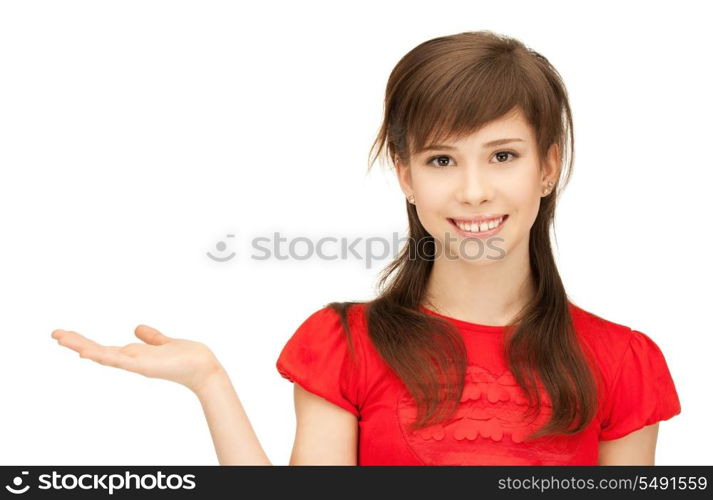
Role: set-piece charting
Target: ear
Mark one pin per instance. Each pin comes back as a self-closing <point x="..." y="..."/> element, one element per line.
<point x="552" y="164"/>
<point x="403" y="172"/>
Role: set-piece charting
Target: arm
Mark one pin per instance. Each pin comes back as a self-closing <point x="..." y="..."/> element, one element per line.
<point x="193" y="365"/>
<point x="326" y="434"/>
<point x="636" y="448"/>
<point x="233" y="437"/>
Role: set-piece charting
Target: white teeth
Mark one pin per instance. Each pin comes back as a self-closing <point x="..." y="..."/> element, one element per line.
<point x="479" y="228"/>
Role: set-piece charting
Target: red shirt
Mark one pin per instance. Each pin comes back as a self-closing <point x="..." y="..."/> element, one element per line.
<point x="638" y="390"/>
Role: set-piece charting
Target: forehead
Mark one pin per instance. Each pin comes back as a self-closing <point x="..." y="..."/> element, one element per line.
<point x="512" y="125"/>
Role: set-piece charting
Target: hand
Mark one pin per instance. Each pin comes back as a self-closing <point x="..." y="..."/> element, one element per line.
<point x="183" y="361"/>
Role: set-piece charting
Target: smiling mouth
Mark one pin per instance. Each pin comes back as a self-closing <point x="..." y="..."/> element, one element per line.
<point x="484" y="229"/>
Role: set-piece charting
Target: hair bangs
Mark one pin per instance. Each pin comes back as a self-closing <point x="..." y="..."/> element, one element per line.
<point x="443" y="109"/>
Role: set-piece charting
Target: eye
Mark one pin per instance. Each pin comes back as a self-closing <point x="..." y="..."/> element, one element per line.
<point x="439" y="157"/>
<point x="439" y="164"/>
<point x="499" y="153"/>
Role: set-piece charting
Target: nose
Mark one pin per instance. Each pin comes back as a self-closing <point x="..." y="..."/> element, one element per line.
<point x="474" y="186"/>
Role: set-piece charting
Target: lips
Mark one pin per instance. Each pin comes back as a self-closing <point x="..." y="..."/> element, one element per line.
<point x="478" y="218"/>
<point x="479" y="234"/>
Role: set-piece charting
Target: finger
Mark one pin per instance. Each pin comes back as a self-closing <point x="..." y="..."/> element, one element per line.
<point x="111" y="356"/>
<point x="150" y="335"/>
<point x="74" y="341"/>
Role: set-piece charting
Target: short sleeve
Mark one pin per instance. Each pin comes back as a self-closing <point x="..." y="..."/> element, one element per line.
<point x="642" y="392"/>
<point x="317" y="357"/>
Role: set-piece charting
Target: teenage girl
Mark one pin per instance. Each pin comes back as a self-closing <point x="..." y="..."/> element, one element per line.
<point x="472" y="352"/>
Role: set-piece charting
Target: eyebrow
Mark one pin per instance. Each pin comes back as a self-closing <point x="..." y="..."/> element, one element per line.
<point x="496" y="142"/>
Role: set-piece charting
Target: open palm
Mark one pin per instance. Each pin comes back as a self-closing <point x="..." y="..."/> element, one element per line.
<point x="183" y="361"/>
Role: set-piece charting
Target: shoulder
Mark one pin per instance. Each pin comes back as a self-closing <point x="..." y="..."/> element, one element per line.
<point x="606" y="340"/>
<point x="591" y="320"/>
<point x="334" y="325"/>
<point x="597" y="330"/>
<point x="639" y="388"/>
<point x="329" y="339"/>
<point x="338" y="316"/>
<point x="323" y="357"/>
<point x="613" y="345"/>
<point x="334" y="315"/>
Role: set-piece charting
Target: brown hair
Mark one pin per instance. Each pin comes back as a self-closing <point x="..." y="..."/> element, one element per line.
<point x="443" y="88"/>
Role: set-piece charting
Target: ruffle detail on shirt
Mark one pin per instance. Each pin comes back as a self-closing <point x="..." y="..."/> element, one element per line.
<point x="491" y="407"/>
<point x="470" y="430"/>
<point x="489" y="426"/>
<point x="480" y="383"/>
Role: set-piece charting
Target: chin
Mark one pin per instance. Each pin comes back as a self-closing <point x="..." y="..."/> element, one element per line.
<point x="472" y="251"/>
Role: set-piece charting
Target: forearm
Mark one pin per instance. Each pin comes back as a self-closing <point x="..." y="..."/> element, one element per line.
<point x="233" y="436"/>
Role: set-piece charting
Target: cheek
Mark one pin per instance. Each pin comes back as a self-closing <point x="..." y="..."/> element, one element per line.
<point x="430" y="195"/>
<point x="432" y="210"/>
<point x="526" y="199"/>
<point x="527" y="204"/>
<point x="522" y="192"/>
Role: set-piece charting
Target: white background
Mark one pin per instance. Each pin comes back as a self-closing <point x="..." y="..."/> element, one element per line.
<point x="135" y="135"/>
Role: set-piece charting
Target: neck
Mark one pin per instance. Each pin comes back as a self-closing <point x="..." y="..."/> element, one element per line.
<point x="483" y="292"/>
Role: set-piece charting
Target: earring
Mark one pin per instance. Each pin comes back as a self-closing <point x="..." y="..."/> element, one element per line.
<point x="549" y="186"/>
<point x="411" y="199"/>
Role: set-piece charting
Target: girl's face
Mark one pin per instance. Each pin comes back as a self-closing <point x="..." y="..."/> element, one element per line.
<point x="493" y="173"/>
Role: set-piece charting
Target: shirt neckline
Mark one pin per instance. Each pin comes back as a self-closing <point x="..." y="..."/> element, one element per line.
<point x="465" y="324"/>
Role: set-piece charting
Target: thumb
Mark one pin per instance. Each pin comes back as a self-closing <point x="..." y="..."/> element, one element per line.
<point x="150" y="335"/>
